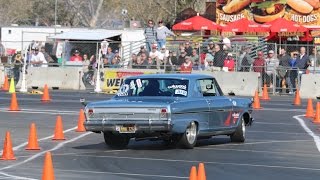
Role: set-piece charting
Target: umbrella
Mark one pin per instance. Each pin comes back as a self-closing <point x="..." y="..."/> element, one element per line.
<point x="245" y="25"/>
<point x="196" y="23"/>
<point x="283" y="25"/>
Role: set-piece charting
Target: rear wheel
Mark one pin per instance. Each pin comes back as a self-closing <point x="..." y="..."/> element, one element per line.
<point x="189" y="138"/>
<point x="118" y="141"/>
<point x="239" y="134"/>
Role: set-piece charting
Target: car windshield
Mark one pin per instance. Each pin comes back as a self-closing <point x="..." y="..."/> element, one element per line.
<point x="154" y="87"/>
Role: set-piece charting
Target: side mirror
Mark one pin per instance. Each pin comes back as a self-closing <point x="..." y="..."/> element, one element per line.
<point x="231" y="94"/>
<point x="83" y="101"/>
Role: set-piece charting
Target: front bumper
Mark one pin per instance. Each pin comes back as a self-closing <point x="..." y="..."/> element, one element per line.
<point x="141" y="126"/>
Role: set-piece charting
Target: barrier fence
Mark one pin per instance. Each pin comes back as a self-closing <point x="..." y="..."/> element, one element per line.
<point x="205" y="57"/>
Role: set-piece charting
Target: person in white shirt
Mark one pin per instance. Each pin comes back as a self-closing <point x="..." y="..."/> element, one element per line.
<point x="156" y="55"/>
<point x="38" y="59"/>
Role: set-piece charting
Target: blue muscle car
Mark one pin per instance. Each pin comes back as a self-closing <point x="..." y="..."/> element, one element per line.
<point x="176" y="108"/>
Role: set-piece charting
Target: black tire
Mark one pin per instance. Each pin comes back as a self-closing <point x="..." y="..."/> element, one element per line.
<point x="118" y="141"/>
<point x="239" y="135"/>
<point x="189" y="137"/>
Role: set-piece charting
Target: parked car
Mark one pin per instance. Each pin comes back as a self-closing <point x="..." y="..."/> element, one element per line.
<point x="176" y="108"/>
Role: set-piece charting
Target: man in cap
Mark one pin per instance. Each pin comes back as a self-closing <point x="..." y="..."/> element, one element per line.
<point x="142" y="50"/>
<point x="38" y="59"/>
<point x="186" y="67"/>
<point x="272" y="64"/>
<point x="229" y="62"/>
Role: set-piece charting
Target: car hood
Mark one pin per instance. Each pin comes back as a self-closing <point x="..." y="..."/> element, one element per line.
<point x="133" y="102"/>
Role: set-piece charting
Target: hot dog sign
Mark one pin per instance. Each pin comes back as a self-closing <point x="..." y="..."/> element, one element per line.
<point x="261" y="11"/>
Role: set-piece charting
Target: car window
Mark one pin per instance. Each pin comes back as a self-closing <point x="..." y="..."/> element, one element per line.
<point x="207" y="87"/>
<point x="154" y="87"/>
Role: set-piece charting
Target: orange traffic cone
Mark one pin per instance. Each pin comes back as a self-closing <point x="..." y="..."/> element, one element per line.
<point x="201" y="172"/>
<point x="81" y="119"/>
<point x="5" y="86"/>
<point x="297" y="99"/>
<point x="45" y="96"/>
<point x="48" y="172"/>
<point x="33" y="138"/>
<point x="58" y="132"/>
<point x="256" y="101"/>
<point x="7" y="153"/>
<point x="309" y="111"/>
<point x="265" y="95"/>
<point x="14" y="103"/>
<point x="193" y="173"/>
<point x="316" y="118"/>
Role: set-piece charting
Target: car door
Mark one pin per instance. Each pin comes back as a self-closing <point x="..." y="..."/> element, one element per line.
<point x="210" y="95"/>
<point x="220" y="106"/>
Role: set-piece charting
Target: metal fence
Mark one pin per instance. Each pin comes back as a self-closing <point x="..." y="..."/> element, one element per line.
<point x="175" y="57"/>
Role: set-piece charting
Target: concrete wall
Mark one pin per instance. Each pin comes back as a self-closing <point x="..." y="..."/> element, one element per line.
<point x="310" y="86"/>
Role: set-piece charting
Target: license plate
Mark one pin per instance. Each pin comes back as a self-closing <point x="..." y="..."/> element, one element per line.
<point x="126" y="129"/>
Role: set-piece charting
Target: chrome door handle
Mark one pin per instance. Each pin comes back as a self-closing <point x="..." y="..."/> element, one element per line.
<point x="221" y="110"/>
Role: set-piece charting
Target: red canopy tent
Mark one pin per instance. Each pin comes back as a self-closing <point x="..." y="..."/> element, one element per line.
<point x="245" y="25"/>
<point x="196" y="23"/>
<point x="283" y="28"/>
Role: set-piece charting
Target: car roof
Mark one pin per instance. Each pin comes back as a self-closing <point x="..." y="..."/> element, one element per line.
<point x="172" y="76"/>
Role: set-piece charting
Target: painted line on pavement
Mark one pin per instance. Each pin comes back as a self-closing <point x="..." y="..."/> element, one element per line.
<point x="205" y="162"/>
<point x="42" y="139"/>
<point x="282" y="110"/>
<point x="58" y="146"/>
<point x="288" y="124"/>
<point x="291" y="133"/>
<point x="8" y="176"/>
<point x="316" y="138"/>
<point x="261" y="142"/>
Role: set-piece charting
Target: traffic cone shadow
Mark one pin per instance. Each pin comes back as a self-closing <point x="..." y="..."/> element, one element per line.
<point x="193" y="173"/>
<point x="46" y="95"/>
<point x="12" y="88"/>
<point x="58" y="132"/>
<point x="297" y="99"/>
<point x="256" y="101"/>
<point x="81" y="120"/>
<point x="48" y="172"/>
<point x="33" y="138"/>
<point x="7" y="153"/>
<point x="201" y="172"/>
<point x="316" y="118"/>
<point x="5" y="86"/>
<point x="14" y="103"/>
<point x="265" y="95"/>
<point x="309" y="110"/>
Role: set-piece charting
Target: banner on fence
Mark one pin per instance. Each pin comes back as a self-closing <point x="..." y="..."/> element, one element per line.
<point x="114" y="77"/>
<point x="261" y="11"/>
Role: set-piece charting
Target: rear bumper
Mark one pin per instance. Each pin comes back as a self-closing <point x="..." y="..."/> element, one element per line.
<point x="145" y="126"/>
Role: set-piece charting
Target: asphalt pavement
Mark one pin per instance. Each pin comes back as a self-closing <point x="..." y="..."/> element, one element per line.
<point x="281" y="144"/>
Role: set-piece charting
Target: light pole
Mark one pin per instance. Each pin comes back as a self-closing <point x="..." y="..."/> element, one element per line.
<point x="55" y="17"/>
<point x="98" y="87"/>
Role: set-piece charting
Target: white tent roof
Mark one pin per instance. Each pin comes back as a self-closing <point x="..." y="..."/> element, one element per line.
<point x="86" y="35"/>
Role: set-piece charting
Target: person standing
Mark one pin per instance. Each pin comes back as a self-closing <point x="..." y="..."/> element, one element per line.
<point x="150" y="33"/>
<point x="162" y="33"/>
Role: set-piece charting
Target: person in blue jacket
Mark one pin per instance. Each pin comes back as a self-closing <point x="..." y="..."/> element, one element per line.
<point x="292" y="73"/>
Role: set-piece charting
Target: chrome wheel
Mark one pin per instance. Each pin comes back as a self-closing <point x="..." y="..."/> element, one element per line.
<point x="191" y="133"/>
<point x="243" y="129"/>
<point x="189" y="137"/>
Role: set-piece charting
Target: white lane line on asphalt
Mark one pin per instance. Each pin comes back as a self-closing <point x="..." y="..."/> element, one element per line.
<point x="316" y="138"/>
<point x="270" y="132"/>
<point x="260" y="142"/>
<point x="58" y="146"/>
<point x="205" y="162"/>
<point x="282" y="109"/>
<point x="8" y="176"/>
<point x="95" y="152"/>
<point x="289" y="124"/>
<point x="42" y="139"/>
<point x="302" y="154"/>
<point x="37" y="111"/>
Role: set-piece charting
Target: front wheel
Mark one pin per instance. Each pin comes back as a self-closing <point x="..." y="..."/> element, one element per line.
<point x="189" y="138"/>
<point x="118" y="141"/>
<point x="239" y="134"/>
